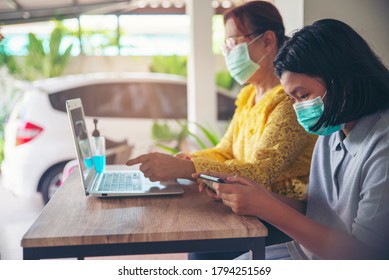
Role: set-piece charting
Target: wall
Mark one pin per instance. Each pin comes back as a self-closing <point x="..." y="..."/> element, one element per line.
<point x="292" y="12"/>
<point x="370" y="18"/>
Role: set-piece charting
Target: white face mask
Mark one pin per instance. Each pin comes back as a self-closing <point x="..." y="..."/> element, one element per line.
<point x="239" y="63"/>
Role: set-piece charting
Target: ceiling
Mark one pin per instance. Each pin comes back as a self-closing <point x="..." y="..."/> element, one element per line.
<point x="23" y="11"/>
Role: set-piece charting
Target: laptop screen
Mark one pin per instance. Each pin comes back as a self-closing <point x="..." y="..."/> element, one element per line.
<point x="81" y="139"/>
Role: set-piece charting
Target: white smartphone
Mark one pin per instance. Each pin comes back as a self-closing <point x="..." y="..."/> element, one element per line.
<point x="208" y="180"/>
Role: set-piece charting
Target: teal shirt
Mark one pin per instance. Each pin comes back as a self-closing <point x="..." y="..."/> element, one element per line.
<point x="349" y="182"/>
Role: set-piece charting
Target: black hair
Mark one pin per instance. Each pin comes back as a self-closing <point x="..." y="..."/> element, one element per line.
<point x="357" y="81"/>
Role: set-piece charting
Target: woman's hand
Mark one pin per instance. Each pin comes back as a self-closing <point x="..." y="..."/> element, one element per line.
<point x="204" y="188"/>
<point x="183" y="155"/>
<point x="162" y="167"/>
<point x="244" y="196"/>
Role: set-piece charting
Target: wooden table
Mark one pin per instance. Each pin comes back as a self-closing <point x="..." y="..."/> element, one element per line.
<point x="73" y="225"/>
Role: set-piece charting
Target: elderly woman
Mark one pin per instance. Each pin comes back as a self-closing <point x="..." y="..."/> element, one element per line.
<point x="264" y="141"/>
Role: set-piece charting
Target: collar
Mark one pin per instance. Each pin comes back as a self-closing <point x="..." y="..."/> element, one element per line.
<point x="358" y="134"/>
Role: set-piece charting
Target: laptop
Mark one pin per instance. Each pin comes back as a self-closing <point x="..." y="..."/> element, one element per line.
<point x="110" y="182"/>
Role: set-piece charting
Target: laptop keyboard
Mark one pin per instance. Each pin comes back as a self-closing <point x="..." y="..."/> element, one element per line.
<point x="121" y="182"/>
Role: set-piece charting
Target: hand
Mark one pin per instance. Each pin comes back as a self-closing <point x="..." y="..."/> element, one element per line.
<point x="203" y="187"/>
<point x="245" y="197"/>
<point x="183" y="155"/>
<point x="211" y="193"/>
<point x="162" y="167"/>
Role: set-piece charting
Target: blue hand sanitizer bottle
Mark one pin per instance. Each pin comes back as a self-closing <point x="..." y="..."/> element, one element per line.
<point x="98" y="147"/>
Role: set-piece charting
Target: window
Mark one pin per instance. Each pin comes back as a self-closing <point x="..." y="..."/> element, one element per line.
<point x="108" y="35"/>
<point x="136" y="100"/>
<point x="128" y="100"/>
<point x="154" y="35"/>
<point x="99" y="35"/>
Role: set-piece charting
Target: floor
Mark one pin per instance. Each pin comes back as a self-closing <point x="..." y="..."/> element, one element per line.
<point x="18" y="213"/>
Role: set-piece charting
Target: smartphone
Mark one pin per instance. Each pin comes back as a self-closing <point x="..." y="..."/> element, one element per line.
<point x="208" y="180"/>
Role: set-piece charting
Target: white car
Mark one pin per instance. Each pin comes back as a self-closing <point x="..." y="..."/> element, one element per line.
<point x="38" y="141"/>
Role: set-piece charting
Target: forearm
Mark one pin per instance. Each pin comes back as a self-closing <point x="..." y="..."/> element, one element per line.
<point x="323" y="241"/>
<point x="298" y="205"/>
<point x="258" y="171"/>
<point x="185" y="169"/>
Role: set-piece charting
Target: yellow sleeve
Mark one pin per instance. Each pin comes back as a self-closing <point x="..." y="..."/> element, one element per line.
<point x="282" y="140"/>
<point x="223" y="150"/>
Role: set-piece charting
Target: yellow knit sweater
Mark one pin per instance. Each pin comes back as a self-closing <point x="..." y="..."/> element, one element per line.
<point x="264" y="142"/>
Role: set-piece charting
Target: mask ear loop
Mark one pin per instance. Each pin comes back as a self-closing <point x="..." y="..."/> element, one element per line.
<point x="322" y="98"/>
<point x="252" y="41"/>
<point x="262" y="58"/>
<point x="255" y="39"/>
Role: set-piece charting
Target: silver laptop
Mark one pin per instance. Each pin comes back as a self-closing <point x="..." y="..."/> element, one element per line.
<point x="110" y="182"/>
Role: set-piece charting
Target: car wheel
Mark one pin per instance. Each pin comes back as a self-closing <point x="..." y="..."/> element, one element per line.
<point x="51" y="181"/>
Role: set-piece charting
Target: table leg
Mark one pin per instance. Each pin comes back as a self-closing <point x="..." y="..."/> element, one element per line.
<point x="258" y="249"/>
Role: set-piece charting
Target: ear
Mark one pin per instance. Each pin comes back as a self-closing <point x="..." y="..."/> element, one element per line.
<point x="270" y="40"/>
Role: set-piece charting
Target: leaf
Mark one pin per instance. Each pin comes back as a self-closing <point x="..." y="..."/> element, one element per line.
<point x="173" y="151"/>
<point x="162" y="132"/>
<point x="212" y="137"/>
<point x="38" y="63"/>
<point x="169" y="64"/>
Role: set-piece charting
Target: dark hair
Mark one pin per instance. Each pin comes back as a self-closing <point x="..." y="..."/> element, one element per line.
<point x="258" y="17"/>
<point x="357" y="81"/>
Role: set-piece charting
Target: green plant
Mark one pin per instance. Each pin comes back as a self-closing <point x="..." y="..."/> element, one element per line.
<point x="224" y="80"/>
<point x="8" y="60"/>
<point x="1" y="149"/>
<point x="10" y="91"/>
<point x="42" y="64"/>
<point x="173" y="141"/>
<point x="169" y="64"/>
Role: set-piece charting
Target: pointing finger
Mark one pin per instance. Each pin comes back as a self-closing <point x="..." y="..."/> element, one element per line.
<point x="137" y="160"/>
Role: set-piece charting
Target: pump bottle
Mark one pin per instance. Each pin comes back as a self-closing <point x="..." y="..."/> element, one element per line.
<point x="98" y="147"/>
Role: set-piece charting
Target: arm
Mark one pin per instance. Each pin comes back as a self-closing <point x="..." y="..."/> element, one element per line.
<point x="248" y="198"/>
<point x="275" y="149"/>
<point x="163" y="167"/>
<point x="298" y="205"/>
<point x="323" y="241"/>
<point x="249" y="186"/>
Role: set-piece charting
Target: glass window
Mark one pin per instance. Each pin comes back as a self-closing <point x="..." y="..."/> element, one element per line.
<point x="71" y="36"/>
<point x="99" y="35"/>
<point x="128" y="100"/>
<point x="136" y="100"/>
<point x="108" y="35"/>
<point x="144" y="35"/>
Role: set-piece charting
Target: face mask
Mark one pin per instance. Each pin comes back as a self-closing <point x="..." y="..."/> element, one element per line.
<point x="309" y="112"/>
<point x="239" y="64"/>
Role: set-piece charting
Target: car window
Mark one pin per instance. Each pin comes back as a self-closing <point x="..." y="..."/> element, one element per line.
<point x="127" y="100"/>
<point x="136" y="100"/>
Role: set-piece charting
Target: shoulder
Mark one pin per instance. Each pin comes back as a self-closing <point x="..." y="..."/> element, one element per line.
<point x="244" y="95"/>
<point x="277" y="100"/>
<point x="384" y="118"/>
<point x="279" y="96"/>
